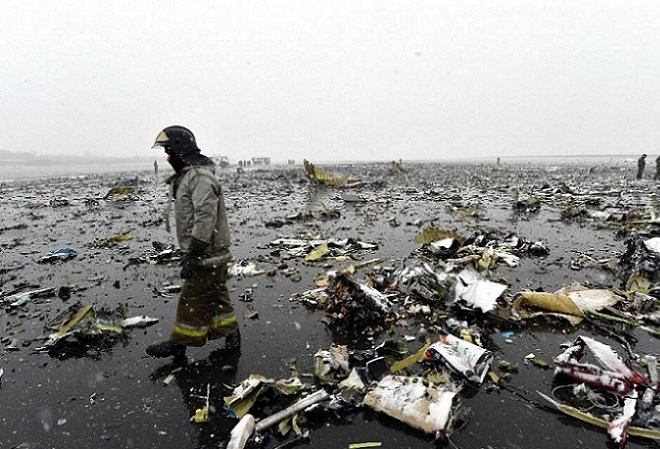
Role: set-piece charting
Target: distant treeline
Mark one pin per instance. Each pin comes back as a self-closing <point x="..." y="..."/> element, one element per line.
<point x="6" y="155"/>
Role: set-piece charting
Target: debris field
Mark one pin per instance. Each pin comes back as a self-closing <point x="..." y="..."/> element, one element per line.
<point x="381" y="305"/>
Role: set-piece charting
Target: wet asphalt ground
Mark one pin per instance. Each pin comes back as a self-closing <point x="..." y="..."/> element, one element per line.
<point x="109" y="394"/>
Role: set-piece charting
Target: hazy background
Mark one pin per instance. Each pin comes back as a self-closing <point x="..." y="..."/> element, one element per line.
<point x="332" y="80"/>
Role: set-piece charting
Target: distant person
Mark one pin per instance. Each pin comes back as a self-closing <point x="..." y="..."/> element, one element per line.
<point x="498" y="162"/>
<point x="156" y="168"/>
<point x="641" y="164"/>
<point x="657" y="169"/>
<point x="204" y="310"/>
<point x="395" y="167"/>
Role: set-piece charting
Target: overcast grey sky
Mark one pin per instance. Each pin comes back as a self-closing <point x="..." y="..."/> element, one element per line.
<point x="332" y="80"/>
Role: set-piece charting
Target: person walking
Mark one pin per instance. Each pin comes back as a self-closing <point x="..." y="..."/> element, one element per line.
<point x="204" y="310"/>
<point x="641" y="164"/>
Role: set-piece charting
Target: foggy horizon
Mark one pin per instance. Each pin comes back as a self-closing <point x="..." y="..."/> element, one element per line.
<point x="26" y="159"/>
<point x="332" y="81"/>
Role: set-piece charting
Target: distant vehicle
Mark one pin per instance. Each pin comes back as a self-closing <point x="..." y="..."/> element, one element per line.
<point x="222" y="161"/>
<point x="260" y="160"/>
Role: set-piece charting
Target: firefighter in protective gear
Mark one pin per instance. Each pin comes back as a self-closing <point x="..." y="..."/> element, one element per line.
<point x="204" y="310"/>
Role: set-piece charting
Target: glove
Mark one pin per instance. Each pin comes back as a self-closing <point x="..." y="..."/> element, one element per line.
<point x="196" y="252"/>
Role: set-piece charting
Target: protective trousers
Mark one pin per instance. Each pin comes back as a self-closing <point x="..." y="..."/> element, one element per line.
<point x="204" y="311"/>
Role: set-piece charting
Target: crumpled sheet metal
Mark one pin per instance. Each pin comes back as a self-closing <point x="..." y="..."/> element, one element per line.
<point x="331" y="364"/>
<point x="641" y="257"/>
<point x="485" y="249"/>
<point x="476" y="291"/>
<point x="430" y="235"/>
<point x="18" y="299"/>
<point x="247" y="392"/>
<point x="248" y="425"/>
<point x="467" y="360"/>
<point x="533" y="304"/>
<point x="600" y="422"/>
<point x="506" y="242"/>
<point x="119" y="192"/>
<point x="470" y="287"/>
<point x="423" y="281"/>
<point x="316" y="248"/>
<point x="318" y="252"/>
<point x="323" y="177"/>
<point x="87" y="321"/>
<point x="570" y="303"/>
<point x="527" y="203"/>
<point x="414" y="401"/>
<point x="353" y="305"/>
<point x="589" y="299"/>
<point x="613" y="375"/>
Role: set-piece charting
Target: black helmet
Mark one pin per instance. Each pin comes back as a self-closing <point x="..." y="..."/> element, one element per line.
<point x="180" y="144"/>
<point x="177" y="140"/>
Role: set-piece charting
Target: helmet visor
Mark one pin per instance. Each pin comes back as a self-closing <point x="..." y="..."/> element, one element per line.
<point x="162" y="141"/>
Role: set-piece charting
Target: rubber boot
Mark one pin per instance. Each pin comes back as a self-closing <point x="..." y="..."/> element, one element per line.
<point x="166" y="349"/>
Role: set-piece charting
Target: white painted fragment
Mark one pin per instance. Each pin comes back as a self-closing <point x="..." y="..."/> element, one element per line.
<point x="408" y="399"/>
<point x="477" y="292"/>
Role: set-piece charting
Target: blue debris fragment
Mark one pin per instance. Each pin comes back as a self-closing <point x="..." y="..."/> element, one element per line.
<point x="60" y="254"/>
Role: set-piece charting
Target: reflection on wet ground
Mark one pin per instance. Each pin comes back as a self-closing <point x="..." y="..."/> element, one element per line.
<point x="110" y="394"/>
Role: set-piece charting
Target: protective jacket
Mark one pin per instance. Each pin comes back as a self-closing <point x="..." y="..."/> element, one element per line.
<point x="199" y="209"/>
